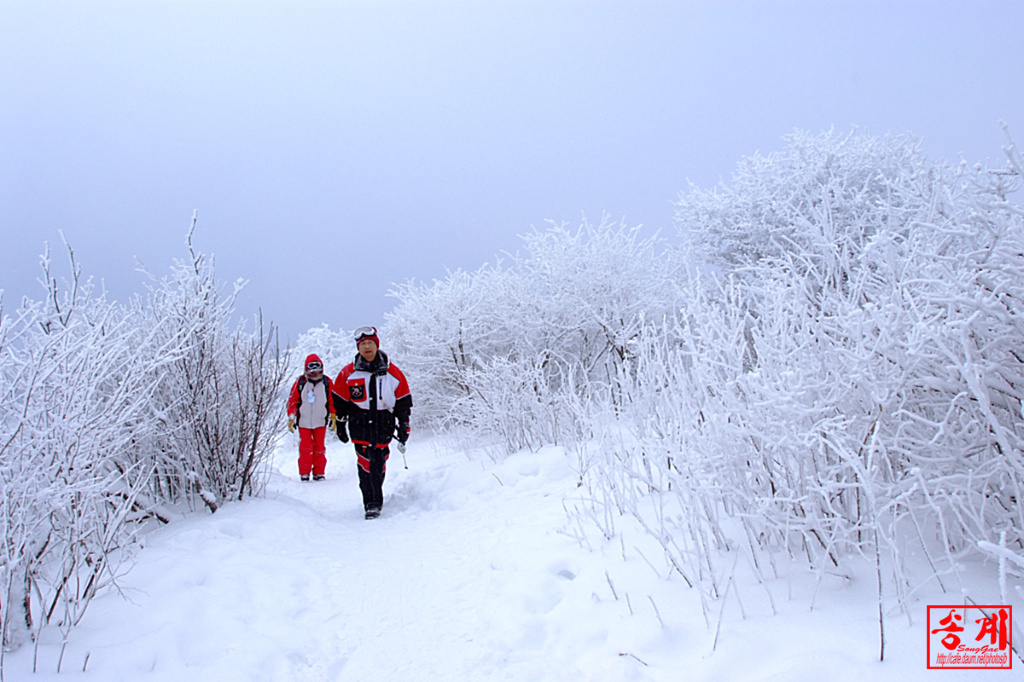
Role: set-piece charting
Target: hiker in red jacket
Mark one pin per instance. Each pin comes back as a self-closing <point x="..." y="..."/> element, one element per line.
<point x="311" y="408"/>
<point x="372" y="398"/>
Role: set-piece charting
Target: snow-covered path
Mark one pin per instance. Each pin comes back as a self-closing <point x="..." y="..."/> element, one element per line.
<point x="468" y="575"/>
<point x="454" y="581"/>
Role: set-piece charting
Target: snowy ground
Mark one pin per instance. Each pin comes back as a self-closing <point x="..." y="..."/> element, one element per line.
<point x="472" y="573"/>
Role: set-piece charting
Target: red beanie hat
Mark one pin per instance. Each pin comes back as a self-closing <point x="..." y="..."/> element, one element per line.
<point x="314" y="358"/>
<point x="367" y="333"/>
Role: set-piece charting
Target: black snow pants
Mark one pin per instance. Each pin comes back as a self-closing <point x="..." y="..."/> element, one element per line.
<point x="372" y="467"/>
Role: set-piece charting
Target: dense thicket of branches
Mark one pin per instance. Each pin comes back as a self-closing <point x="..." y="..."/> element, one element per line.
<point x="218" y="401"/>
<point x="109" y="415"/>
<point x="830" y="365"/>
<point x="512" y="350"/>
<point x="880" y="384"/>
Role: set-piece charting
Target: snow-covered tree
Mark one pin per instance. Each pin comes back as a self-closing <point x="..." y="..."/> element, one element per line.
<point x="447" y="331"/>
<point x="216" y="402"/>
<point x="107" y="413"/>
<point x="515" y="351"/>
<point x="73" y="399"/>
<point x="849" y="374"/>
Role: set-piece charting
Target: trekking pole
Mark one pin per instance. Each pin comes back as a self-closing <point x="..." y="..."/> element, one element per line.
<point x="401" y="446"/>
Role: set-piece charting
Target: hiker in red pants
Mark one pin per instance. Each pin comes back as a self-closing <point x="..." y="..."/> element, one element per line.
<point x="311" y="408"/>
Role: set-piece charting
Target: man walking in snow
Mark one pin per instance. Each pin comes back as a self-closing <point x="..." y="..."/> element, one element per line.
<point x="371" y="397"/>
<point x="311" y="408"/>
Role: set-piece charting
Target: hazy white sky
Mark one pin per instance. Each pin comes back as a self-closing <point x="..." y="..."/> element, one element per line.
<point x="333" y="148"/>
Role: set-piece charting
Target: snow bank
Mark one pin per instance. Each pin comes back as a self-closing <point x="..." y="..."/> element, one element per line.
<point x="472" y="573"/>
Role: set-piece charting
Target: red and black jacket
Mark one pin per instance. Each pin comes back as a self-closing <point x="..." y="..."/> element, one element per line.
<point x="374" y="397"/>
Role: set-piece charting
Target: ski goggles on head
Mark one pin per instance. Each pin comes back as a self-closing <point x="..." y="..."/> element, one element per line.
<point x="364" y="331"/>
<point x="315" y="367"/>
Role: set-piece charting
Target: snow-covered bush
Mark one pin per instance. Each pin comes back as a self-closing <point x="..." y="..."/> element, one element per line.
<point x="107" y="413"/>
<point x="849" y="377"/>
<point x="517" y="351"/>
<point x="445" y="333"/>
<point x="73" y="398"/>
<point x="218" y="401"/>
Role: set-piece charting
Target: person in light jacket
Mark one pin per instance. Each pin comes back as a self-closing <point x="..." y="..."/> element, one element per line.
<point x="311" y="408"/>
<point x="372" y="398"/>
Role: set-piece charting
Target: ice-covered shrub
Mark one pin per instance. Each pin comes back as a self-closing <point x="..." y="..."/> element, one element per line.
<point x="519" y="350"/>
<point x="108" y="413"/>
<point x="849" y="376"/>
<point x="73" y="398"/>
<point x="218" y="401"/>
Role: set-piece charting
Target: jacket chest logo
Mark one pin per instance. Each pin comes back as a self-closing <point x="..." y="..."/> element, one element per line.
<point x="357" y="390"/>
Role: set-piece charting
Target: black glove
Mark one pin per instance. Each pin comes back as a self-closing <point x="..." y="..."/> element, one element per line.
<point x="340" y="428"/>
<point x="402" y="432"/>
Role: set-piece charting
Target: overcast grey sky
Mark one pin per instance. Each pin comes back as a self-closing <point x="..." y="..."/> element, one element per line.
<point x="334" y="148"/>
